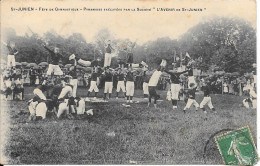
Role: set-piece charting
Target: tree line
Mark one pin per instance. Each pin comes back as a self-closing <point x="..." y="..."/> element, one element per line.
<point x="227" y="43"/>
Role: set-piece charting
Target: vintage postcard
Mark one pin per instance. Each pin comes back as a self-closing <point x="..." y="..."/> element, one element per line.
<point x="128" y="82"/>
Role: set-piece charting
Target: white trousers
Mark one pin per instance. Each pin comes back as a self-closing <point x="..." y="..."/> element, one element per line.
<point x="93" y="86"/>
<point x="81" y="108"/>
<point x="38" y="109"/>
<point x="74" y="83"/>
<point x="84" y="63"/>
<point x="32" y="107"/>
<point x="10" y="61"/>
<point x="191" y="79"/>
<point x="254" y="101"/>
<point x="206" y="100"/>
<point x="120" y="85"/>
<point x="37" y="81"/>
<point x="108" y="87"/>
<point x="39" y="93"/>
<point x="191" y="102"/>
<point x="67" y="90"/>
<point x="130" y="88"/>
<point x="63" y="108"/>
<point x="107" y="61"/>
<point x="135" y="66"/>
<point x="175" y="89"/>
<point x="145" y="88"/>
<point x="55" y="69"/>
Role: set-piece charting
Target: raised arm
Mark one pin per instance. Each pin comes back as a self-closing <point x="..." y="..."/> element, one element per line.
<point x="48" y="49"/>
<point x="13" y="50"/>
<point x="179" y="73"/>
<point x="111" y="47"/>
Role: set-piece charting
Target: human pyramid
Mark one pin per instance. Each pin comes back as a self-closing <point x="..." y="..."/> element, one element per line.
<point x="57" y="93"/>
<point x="10" y="81"/>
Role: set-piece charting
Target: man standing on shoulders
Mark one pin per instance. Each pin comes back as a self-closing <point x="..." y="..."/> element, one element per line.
<point x="55" y="57"/>
<point x="11" y="54"/>
<point x="73" y="74"/>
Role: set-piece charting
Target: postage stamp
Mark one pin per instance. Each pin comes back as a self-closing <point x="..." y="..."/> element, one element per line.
<point x="237" y="147"/>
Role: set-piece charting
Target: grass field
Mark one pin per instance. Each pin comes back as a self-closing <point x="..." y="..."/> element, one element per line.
<point x="142" y="135"/>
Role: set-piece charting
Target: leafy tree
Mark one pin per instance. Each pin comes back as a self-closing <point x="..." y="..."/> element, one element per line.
<point x="217" y="41"/>
<point x="226" y="43"/>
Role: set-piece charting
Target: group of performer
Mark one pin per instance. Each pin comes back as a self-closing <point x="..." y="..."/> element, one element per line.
<point x="61" y="98"/>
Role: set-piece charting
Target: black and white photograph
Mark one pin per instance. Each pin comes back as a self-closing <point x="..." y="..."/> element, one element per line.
<point x="128" y="82"/>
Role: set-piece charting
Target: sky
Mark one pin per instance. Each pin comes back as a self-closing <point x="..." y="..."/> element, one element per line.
<point x="134" y="25"/>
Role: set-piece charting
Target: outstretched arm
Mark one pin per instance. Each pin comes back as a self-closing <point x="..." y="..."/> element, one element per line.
<point x="179" y="73"/>
<point x="12" y="50"/>
<point x="50" y="51"/>
<point x="111" y="47"/>
<point x="175" y="73"/>
<point x="169" y="72"/>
